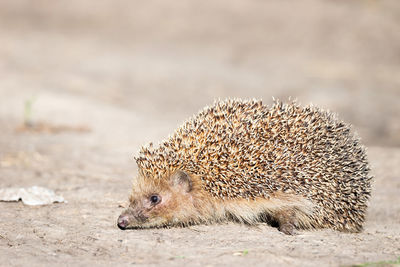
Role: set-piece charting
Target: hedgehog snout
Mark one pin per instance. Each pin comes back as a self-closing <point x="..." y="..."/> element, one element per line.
<point x="123" y="221"/>
<point x="131" y="218"/>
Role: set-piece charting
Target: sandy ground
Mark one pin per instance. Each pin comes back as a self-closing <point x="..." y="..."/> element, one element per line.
<point x="131" y="71"/>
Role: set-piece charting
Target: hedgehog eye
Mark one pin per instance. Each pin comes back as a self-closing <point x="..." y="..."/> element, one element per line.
<point x="155" y="199"/>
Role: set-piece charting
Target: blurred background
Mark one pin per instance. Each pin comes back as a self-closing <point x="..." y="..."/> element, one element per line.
<point x="131" y="71"/>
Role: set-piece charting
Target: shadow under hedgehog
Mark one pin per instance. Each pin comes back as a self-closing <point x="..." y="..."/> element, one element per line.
<point x="237" y="160"/>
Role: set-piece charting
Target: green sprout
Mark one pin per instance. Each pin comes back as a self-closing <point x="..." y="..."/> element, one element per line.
<point x="379" y="263"/>
<point x="28" y="112"/>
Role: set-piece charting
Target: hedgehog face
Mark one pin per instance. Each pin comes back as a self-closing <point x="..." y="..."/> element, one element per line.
<point x="157" y="204"/>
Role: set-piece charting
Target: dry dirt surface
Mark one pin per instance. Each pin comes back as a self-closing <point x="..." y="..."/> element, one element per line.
<point x="96" y="79"/>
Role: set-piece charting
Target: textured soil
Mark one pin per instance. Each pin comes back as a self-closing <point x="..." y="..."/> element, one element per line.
<point x="104" y="77"/>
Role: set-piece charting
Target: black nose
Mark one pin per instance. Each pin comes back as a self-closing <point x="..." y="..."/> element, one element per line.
<point x="122" y="222"/>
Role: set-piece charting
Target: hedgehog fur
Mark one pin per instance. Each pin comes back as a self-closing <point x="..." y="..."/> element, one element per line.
<point x="298" y="166"/>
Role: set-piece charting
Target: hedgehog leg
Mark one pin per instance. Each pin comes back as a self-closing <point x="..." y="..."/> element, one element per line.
<point x="287" y="221"/>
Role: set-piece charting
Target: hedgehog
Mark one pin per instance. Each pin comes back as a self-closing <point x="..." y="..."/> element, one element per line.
<point x="239" y="160"/>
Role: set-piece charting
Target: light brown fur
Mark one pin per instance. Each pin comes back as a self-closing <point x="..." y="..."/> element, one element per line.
<point x="196" y="206"/>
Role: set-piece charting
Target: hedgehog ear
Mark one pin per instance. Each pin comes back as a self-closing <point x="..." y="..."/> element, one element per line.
<point x="182" y="179"/>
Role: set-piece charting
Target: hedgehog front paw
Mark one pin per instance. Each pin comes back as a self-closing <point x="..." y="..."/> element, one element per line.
<point x="287" y="228"/>
<point x="287" y="221"/>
